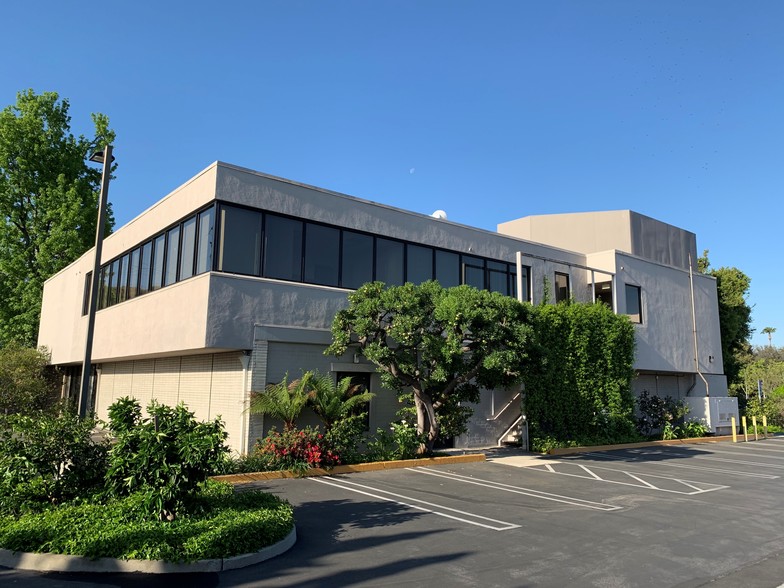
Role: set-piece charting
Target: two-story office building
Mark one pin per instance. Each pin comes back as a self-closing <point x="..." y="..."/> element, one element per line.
<point x="232" y="281"/>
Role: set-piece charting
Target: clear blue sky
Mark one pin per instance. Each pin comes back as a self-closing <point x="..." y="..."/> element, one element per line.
<point x="489" y="110"/>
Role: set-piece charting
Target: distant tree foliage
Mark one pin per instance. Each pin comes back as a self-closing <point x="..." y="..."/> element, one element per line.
<point x="27" y="384"/>
<point x="48" y="204"/>
<point x="734" y="317"/>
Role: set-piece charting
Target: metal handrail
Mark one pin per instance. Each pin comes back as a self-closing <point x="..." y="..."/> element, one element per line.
<point x="508" y="404"/>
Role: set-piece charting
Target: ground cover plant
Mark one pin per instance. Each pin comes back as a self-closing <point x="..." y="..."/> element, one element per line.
<point x="145" y="496"/>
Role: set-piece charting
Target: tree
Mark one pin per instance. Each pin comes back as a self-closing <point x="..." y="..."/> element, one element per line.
<point x="27" y="384"/>
<point x="332" y="402"/>
<point x="734" y="317"/>
<point x="769" y="332"/>
<point x="435" y="346"/>
<point x="48" y="204"/>
<point x="283" y="401"/>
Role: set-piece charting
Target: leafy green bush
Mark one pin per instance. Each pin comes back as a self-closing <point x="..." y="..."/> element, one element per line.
<point x="165" y="457"/>
<point x="297" y="449"/>
<point x="657" y="414"/>
<point x="48" y="458"/>
<point x="228" y="524"/>
<point x="401" y="442"/>
<point x="27" y="383"/>
<point x="347" y="436"/>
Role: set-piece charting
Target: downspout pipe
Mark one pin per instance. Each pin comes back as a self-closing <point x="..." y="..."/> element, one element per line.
<point x="694" y="329"/>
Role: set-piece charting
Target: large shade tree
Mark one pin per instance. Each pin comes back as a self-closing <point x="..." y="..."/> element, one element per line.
<point x="48" y="203"/>
<point x="435" y="346"/>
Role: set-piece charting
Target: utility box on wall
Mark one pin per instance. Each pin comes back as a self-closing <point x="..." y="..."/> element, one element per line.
<point x="716" y="412"/>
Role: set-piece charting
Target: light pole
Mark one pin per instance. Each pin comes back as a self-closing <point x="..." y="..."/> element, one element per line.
<point x="106" y="158"/>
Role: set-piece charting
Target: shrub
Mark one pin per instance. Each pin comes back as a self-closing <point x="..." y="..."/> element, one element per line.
<point x="296" y="449"/>
<point x="659" y="414"/>
<point x="48" y="458"/>
<point x="401" y="442"/>
<point x="346" y="438"/>
<point x="27" y="383"/>
<point x="166" y="456"/>
<point x="229" y="524"/>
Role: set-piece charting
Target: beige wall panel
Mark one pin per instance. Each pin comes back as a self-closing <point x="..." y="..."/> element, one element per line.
<point x="226" y="397"/>
<point x="105" y="394"/>
<point x="195" y="384"/>
<point x="167" y="380"/>
<point x="143" y="381"/>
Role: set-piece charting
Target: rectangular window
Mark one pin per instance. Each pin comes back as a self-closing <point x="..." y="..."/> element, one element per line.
<point x="419" y="264"/>
<point x="133" y="275"/>
<point x="188" y="248"/>
<point x="356" y="260"/>
<point x="498" y="277"/>
<point x="114" y="274"/>
<point x="603" y="293"/>
<point x="172" y="246"/>
<point x="240" y="241"/>
<point x="447" y="268"/>
<point x="634" y="303"/>
<point x="389" y="262"/>
<point x="88" y="279"/>
<point x="157" y="262"/>
<point x="103" y="300"/>
<point x="474" y="271"/>
<point x="122" y="288"/>
<point x="282" y="248"/>
<point x="146" y="262"/>
<point x="561" y="287"/>
<point x="322" y="254"/>
<point x="206" y="239"/>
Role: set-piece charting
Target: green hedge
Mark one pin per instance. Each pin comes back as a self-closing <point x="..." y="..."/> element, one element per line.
<point x="578" y="377"/>
<point x="229" y="524"/>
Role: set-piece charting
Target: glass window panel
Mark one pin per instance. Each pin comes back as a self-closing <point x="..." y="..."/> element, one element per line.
<point x="322" y="254"/>
<point x="146" y="261"/>
<point x="88" y="279"/>
<point x="133" y="275"/>
<point x="240" y="246"/>
<point x="634" y="303"/>
<point x="282" y="248"/>
<point x="561" y="287"/>
<point x="447" y="268"/>
<point x="389" y="262"/>
<point x="122" y="288"/>
<point x="104" y="294"/>
<point x="498" y="281"/>
<point x="173" y="243"/>
<point x="603" y="293"/>
<point x="419" y="264"/>
<point x="114" y="274"/>
<point x="473" y="271"/>
<point x="357" y="260"/>
<point x="526" y="280"/>
<point x="187" y="248"/>
<point x="157" y="262"/>
<point x="206" y="237"/>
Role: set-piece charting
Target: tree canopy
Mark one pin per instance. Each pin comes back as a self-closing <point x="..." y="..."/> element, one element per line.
<point x="48" y="203"/>
<point x="435" y="346"/>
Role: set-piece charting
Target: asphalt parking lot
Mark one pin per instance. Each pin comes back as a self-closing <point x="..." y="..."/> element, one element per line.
<point x="685" y="516"/>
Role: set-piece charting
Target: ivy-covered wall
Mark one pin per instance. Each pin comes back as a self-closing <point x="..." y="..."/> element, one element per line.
<point x="579" y="373"/>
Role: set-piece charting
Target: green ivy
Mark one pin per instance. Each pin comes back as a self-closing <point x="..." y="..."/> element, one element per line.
<point x="579" y="373"/>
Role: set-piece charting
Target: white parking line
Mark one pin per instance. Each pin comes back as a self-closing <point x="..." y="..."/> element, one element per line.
<point x="702" y="488"/>
<point x="346" y="485"/>
<point x="517" y="489"/>
<point x="670" y="464"/>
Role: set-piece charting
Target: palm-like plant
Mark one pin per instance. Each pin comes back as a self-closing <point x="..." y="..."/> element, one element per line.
<point x="283" y="401"/>
<point x="332" y="402"/>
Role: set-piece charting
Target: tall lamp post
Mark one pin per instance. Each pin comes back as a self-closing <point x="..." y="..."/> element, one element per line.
<point x="105" y="157"/>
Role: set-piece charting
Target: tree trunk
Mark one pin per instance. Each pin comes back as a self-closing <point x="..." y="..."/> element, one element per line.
<point x="427" y="425"/>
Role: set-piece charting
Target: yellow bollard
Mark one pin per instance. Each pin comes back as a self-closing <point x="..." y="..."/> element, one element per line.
<point x="745" y="428"/>
<point x="734" y="431"/>
<point x="754" y="422"/>
<point x="764" y="426"/>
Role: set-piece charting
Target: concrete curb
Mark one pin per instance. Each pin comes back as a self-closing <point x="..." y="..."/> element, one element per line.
<point x="237" y="479"/>
<point x="54" y="562"/>
<point x="570" y="450"/>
